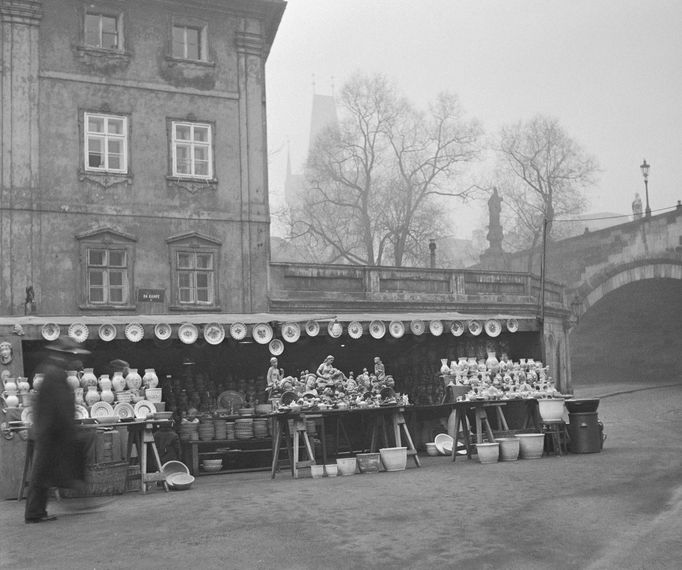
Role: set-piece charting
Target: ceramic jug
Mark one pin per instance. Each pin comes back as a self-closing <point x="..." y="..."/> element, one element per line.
<point x="92" y="395"/>
<point x="133" y="380"/>
<point x="107" y="395"/>
<point x="11" y="400"/>
<point x="118" y="382"/>
<point x="88" y="378"/>
<point x="23" y="385"/>
<point x="150" y="379"/>
<point x="10" y="387"/>
<point x="72" y="379"/>
<point x="104" y="382"/>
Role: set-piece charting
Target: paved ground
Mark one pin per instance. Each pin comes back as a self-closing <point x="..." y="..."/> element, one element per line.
<point x="618" y="509"/>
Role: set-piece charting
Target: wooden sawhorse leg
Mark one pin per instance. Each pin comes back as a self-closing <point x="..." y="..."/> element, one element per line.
<point x="481" y="422"/>
<point x="146" y="438"/>
<point x="300" y="430"/>
<point x="461" y="427"/>
<point x="378" y="430"/>
<point x="398" y="421"/>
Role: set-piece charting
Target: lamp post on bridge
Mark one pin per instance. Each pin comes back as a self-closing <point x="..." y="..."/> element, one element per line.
<point x="645" y="172"/>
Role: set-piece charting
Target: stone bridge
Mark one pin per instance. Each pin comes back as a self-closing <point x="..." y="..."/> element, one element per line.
<point x="596" y="263"/>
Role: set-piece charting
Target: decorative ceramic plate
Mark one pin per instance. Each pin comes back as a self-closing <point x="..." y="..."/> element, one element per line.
<point x="134" y="332"/>
<point x="230" y="400"/>
<point x="493" y="327"/>
<point x="238" y="331"/>
<point x="276" y="347"/>
<point x="214" y="333"/>
<point x="457" y="328"/>
<point x="163" y="331"/>
<point x="312" y="328"/>
<point x="396" y="328"/>
<point x="355" y="329"/>
<point x="79" y="332"/>
<point x="188" y="333"/>
<point x="262" y="333"/>
<point x="101" y="409"/>
<point x="27" y="416"/>
<point x="417" y="327"/>
<point x="144" y="408"/>
<point x="377" y="329"/>
<point x="107" y="332"/>
<point x="291" y="332"/>
<point x="124" y="410"/>
<point x="81" y="412"/>
<point x="475" y="328"/>
<point x="50" y="331"/>
<point x="436" y="328"/>
<point x="512" y="325"/>
<point x="334" y="329"/>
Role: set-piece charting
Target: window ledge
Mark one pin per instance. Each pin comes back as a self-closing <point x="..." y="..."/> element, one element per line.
<point x="195" y="308"/>
<point x="192" y="185"/>
<point x="102" y="59"/>
<point x="108" y="308"/>
<point x="105" y="179"/>
<point x="189" y="62"/>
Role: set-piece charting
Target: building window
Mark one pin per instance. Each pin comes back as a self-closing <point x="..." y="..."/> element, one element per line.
<point x="189" y="42"/>
<point x="107" y="276"/>
<point x="106" y="143"/>
<point x="107" y="260"/>
<point x="103" y="31"/>
<point x="192" y="150"/>
<point x="195" y="276"/>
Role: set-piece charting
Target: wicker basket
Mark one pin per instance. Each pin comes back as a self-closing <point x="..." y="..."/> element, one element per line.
<point x="102" y="479"/>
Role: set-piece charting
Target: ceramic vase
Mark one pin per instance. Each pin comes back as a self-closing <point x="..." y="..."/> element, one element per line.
<point x="491" y="362"/>
<point x="444" y="368"/>
<point x="72" y="379"/>
<point x="92" y="395"/>
<point x="150" y="379"/>
<point x="23" y="385"/>
<point x="88" y="378"/>
<point x="104" y="382"/>
<point x="38" y="380"/>
<point x="10" y="386"/>
<point x="107" y="395"/>
<point x="78" y="396"/>
<point x="11" y="400"/>
<point x="133" y="380"/>
<point x="118" y="382"/>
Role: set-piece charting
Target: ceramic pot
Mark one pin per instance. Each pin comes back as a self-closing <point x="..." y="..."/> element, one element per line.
<point x="394" y="458"/>
<point x="11" y="400"/>
<point x="104" y="382"/>
<point x="369" y="462"/>
<point x="150" y="379"/>
<point x="491" y="362"/>
<point x="444" y="368"/>
<point x="317" y="471"/>
<point x="551" y="409"/>
<point x="92" y="395"/>
<point x="23" y="385"/>
<point x="488" y="452"/>
<point x="38" y="380"/>
<point x="88" y="378"/>
<point x="118" y="382"/>
<point x="26" y="399"/>
<point x="431" y="448"/>
<point x="531" y="445"/>
<point x="133" y="380"/>
<point x="509" y="448"/>
<point x="107" y="396"/>
<point x="72" y="379"/>
<point x="10" y="386"/>
<point x="346" y="466"/>
<point x="331" y="470"/>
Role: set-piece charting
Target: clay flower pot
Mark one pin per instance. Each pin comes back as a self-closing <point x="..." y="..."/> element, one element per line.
<point x="509" y="448"/>
<point x="531" y="445"/>
<point x="488" y="452"/>
<point x="394" y="458"/>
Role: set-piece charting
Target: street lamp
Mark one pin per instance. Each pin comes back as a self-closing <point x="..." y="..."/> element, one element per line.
<point x="645" y="172"/>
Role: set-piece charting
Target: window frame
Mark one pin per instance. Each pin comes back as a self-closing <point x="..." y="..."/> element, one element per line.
<point x="103" y="12"/>
<point x="202" y="44"/>
<point x="173" y="148"/>
<point x="124" y="137"/>
<point x="107" y="240"/>
<point x="194" y="244"/>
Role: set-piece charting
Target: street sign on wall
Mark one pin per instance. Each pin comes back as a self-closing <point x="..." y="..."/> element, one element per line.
<point x="151" y="295"/>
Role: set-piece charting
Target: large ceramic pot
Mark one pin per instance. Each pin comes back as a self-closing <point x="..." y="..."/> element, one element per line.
<point x="509" y="448"/>
<point x="92" y="395"/>
<point x="88" y="378"/>
<point x="394" y="458"/>
<point x="488" y="452"/>
<point x="104" y="382"/>
<point x="531" y="445"/>
<point x="150" y="379"/>
<point x="118" y="382"/>
<point x="346" y="465"/>
<point x="133" y="380"/>
<point x="369" y="462"/>
<point x="551" y="409"/>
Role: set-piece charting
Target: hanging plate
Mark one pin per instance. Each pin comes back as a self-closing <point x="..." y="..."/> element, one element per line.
<point x="396" y="328"/>
<point x="107" y="332"/>
<point x="79" y="332"/>
<point x="134" y="332"/>
<point x="188" y="333"/>
<point x="436" y="328"/>
<point x="493" y="327"/>
<point x="417" y="327"/>
<point x="291" y="332"/>
<point x="512" y="325"/>
<point x="276" y="347"/>
<point x="475" y="328"/>
<point x="377" y="329"/>
<point x="262" y="333"/>
<point x="312" y="328"/>
<point x="50" y="331"/>
<point x="457" y="328"/>
<point x="238" y="331"/>
<point x="214" y="333"/>
<point x="334" y="329"/>
<point x="355" y="329"/>
<point x="163" y="331"/>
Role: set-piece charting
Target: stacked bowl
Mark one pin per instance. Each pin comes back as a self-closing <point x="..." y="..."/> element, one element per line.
<point x="230" y="431"/>
<point x="212" y="465"/>
<point x="260" y="427"/>
<point x="220" y="427"/>
<point x="206" y="431"/>
<point x="243" y="428"/>
<point x="189" y="431"/>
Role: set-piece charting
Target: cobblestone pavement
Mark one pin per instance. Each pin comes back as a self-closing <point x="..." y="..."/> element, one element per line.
<point x="620" y="508"/>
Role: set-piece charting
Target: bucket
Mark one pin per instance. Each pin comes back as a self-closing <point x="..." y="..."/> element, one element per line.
<point x="585" y="432"/>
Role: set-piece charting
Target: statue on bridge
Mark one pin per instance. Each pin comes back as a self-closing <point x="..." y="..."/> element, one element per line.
<point x="636" y="207"/>
<point x="495" y="233"/>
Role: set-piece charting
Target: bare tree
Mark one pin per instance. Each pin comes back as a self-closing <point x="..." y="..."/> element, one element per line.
<point x="376" y="182"/>
<point x="543" y="174"/>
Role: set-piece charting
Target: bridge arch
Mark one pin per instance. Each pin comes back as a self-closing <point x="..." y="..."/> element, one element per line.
<point x="613" y="278"/>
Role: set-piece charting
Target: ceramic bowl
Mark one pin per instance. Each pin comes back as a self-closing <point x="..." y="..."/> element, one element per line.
<point x="179" y="481"/>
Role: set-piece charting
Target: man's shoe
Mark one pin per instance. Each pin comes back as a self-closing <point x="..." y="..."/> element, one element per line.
<point x="46" y="518"/>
